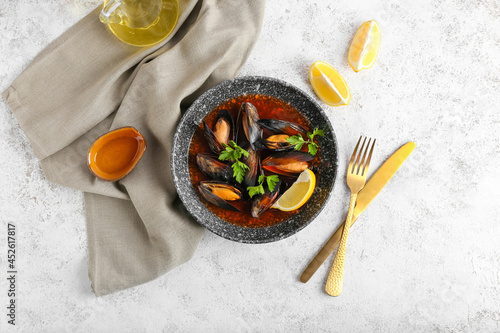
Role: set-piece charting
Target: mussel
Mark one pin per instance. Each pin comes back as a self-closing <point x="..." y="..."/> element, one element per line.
<point x="262" y="203"/>
<point x="214" y="168"/>
<point x="249" y="117"/>
<point x="222" y="132"/>
<point x="253" y="163"/>
<point x="281" y="126"/>
<point x="219" y="193"/>
<point x="277" y="142"/>
<point x="287" y="163"/>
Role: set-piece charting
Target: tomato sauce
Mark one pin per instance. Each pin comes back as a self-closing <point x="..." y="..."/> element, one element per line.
<point x="268" y="108"/>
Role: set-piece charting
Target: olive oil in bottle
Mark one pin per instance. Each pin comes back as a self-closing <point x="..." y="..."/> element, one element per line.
<point x="125" y="24"/>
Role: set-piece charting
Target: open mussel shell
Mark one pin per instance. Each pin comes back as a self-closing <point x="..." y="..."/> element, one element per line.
<point x="249" y="117"/>
<point x="262" y="203"/>
<point x="277" y="142"/>
<point x="219" y="193"/>
<point x="224" y="127"/>
<point x="287" y="163"/>
<point x="281" y="126"/>
<point x="214" y="168"/>
<point x="212" y="141"/>
<point x="222" y="132"/>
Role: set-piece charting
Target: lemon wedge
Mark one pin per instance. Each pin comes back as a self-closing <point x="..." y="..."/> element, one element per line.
<point x="364" y="46"/>
<point x="328" y="84"/>
<point x="298" y="194"/>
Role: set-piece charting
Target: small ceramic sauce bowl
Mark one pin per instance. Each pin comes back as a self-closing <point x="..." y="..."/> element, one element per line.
<point x="113" y="155"/>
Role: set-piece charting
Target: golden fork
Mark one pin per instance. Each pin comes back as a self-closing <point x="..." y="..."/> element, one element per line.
<point x="356" y="179"/>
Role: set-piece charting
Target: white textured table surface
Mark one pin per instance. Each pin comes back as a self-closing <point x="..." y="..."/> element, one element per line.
<point x="424" y="257"/>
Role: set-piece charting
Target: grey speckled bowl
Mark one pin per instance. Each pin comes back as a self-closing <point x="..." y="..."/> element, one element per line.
<point x="216" y="96"/>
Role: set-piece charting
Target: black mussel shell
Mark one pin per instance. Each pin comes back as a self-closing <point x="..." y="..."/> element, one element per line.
<point x="262" y="202"/>
<point x="218" y="193"/>
<point x="253" y="163"/>
<point x="277" y="142"/>
<point x="212" y="137"/>
<point x="214" y="168"/>
<point x="287" y="163"/>
<point x="281" y="126"/>
<point x="249" y="117"/>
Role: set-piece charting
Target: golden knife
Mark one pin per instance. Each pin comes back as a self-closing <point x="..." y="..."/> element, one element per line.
<point x="365" y="196"/>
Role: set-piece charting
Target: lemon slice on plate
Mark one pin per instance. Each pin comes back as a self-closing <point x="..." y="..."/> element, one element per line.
<point x="298" y="194"/>
<point x="328" y="84"/>
<point x="364" y="46"/>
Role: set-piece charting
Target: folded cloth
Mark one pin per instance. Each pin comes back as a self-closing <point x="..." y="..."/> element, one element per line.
<point x="86" y="83"/>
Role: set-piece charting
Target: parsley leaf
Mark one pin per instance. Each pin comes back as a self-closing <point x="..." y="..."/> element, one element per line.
<point x="259" y="189"/>
<point x="298" y="141"/>
<point x="295" y="139"/>
<point x="313" y="148"/>
<point x="225" y="155"/>
<point x="239" y="170"/>
<point x="233" y="152"/>
<point x="254" y="190"/>
<point x="272" y="181"/>
<point x="298" y="146"/>
<point x="318" y="131"/>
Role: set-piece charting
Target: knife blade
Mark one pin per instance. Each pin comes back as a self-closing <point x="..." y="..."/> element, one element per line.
<point x="372" y="188"/>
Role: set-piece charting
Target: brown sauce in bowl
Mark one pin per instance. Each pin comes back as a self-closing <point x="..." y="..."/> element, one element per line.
<point x="113" y="155"/>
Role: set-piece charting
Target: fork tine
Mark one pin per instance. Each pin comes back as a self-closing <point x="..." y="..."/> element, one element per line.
<point x="362" y="163"/>
<point x="365" y="168"/>
<point x="357" y="165"/>
<point x="354" y="153"/>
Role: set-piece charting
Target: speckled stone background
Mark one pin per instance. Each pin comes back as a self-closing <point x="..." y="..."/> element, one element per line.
<point x="424" y="256"/>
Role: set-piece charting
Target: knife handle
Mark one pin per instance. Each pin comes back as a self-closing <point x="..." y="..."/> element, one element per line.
<point x="325" y="251"/>
<point x="335" y="280"/>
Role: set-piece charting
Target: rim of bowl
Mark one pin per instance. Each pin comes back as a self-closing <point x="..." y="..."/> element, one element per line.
<point x="177" y="173"/>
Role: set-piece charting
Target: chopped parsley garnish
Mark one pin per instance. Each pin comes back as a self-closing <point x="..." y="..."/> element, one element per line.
<point x="298" y="141"/>
<point x="271" y="182"/>
<point x="233" y="152"/>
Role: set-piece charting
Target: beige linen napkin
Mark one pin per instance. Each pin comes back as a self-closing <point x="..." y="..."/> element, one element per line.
<point x="86" y="83"/>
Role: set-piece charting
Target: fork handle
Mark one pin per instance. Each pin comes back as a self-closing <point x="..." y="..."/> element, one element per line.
<point x="336" y="276"/>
